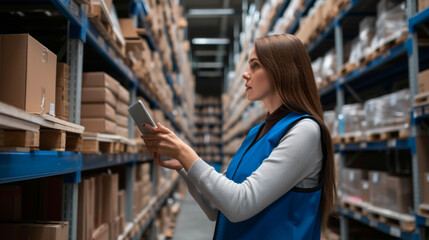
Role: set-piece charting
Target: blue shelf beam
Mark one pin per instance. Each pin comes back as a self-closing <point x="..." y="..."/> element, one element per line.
<point x="18" y="166"/>
<point x="95" y="161"/>
<point x="393" y="231"/>
<point x="395" y="144"/>
<point x="418" y="19"/>
<point x="422" y="221"/>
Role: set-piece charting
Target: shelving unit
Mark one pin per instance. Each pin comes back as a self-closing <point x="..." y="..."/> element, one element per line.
<point x="82" y="38"/>
<point x="403" y="60"/>
<point x="209" y="121"/>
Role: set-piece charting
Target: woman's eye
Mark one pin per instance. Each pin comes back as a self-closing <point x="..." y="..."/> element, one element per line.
<point x="254" y="65"/>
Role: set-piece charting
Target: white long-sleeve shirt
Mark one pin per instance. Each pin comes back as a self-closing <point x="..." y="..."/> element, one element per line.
<point x="295" y="162"/>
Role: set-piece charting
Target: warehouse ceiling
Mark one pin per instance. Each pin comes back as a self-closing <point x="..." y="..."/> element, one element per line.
<point x="211" y="63"/>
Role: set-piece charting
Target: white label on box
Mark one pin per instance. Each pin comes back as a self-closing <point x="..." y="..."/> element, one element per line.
<point x="365" y="185"/>
<point x="52" y="109"/>
<point x="394" y="231"/>
<point x="427" y="178"/>
<point x="373" y="223"/>
<point x="363" y="145"/>
<point x="375" y="178"/>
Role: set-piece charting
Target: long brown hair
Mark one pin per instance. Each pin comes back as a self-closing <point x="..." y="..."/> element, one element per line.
<point x="286" y="59"/>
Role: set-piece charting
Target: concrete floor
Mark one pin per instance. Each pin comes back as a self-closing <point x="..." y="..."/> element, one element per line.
<point x="192" y="223"/>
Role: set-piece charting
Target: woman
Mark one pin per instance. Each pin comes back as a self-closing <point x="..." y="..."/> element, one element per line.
<point x="280" y="184"/>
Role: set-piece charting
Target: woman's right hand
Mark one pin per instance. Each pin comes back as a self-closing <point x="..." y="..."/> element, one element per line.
<point x="171" y="164"/>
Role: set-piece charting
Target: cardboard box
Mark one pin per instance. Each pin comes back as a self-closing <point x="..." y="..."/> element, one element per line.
<point x="62" y="93"/>
<point x="51" y="194"/>
<point x="121" y="108"/>
<point x="37" y="230"/>
<point x="114" y="229"/>
<point x="63" y="75"/>
<point x="110" y="198"/>
<point x="98" y="95"/>
<point x="122" y="131"/>
<point x="99" y="125"/>
<point x="101" y="233"/>
<point x="423" y="4"/>
<point x="399" y="194"/>
<point x="98" y="110"/>
<point x="423" y="81"/>
<point x="352" y="182"/>
<point x="128" y="29"/>
<point x="86" y="209"/>
<point x="425" y="188"/>
<point x="122" y="120"/>
<point x="27" y="74"/>
<point x="377" y="188"/>
<point x="99" y="80"/>
<point x="121" y="225"/>
<point x="121" y="203"/>
<point x="123" y="95"/>
<point x="62" y="109"/>
<point x="10" y="203"/>
<point x="98" y="201"/>
<point x="365" y="193"/>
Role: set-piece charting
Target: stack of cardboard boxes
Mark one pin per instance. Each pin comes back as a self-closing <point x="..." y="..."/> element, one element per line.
<point x="98" y="109"/>
<point x="142" y="188"/>
<point x="62" y="104"/>
<point x="99" y="214"/>
<point x="379" y="189"/>
<point x="122" y="104"/>
<point x="18" y="223"/>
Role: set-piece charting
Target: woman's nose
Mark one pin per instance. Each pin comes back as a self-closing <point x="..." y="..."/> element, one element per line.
<point x="246" y="75"/>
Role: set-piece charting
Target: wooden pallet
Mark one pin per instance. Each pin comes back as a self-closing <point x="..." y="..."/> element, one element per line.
<point x="421" y="99"/>
<point x="94" y="143"/>
<point x="399" y="132"/>
<point x="424" y="210"/>
<point x="99" y="17"/>
<point x="405" y="222"/>
<point x="22" y="131"/>
<point x="356" y="207"/>
<point x="348" y="68"/>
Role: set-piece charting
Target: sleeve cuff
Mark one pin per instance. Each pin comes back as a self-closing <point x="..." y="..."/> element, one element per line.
<point x="182" y="172"/>
<point x="197" y="169"/>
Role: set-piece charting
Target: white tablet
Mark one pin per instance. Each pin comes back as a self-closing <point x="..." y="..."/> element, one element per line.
<point x="140" y="116"/>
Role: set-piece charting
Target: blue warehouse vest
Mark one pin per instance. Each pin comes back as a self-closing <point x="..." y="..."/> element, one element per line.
<point x="295" y="215"/>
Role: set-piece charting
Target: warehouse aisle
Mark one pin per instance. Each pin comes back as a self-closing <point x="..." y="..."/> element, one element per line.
<point x="192" y="223"/>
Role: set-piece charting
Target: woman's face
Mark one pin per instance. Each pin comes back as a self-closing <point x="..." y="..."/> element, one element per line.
<point x="258" y="82"/>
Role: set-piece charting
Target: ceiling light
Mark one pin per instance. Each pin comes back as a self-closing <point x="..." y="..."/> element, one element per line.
<point x="210" y="41"/>
<point x="209" y="65"/>
<point x="210" y="74"/>
<point x="213" y="12"/>
<point x="209" y="53"/>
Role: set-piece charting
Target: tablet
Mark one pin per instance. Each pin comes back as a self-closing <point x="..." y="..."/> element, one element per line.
<point x="140" y="115"/>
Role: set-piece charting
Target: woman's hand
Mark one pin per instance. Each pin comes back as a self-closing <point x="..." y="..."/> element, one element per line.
<point x="163" y="141"/>
<point x="171" y="164"/>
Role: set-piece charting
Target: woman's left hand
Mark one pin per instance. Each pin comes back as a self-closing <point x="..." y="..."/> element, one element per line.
<point x="164" y="142"/>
